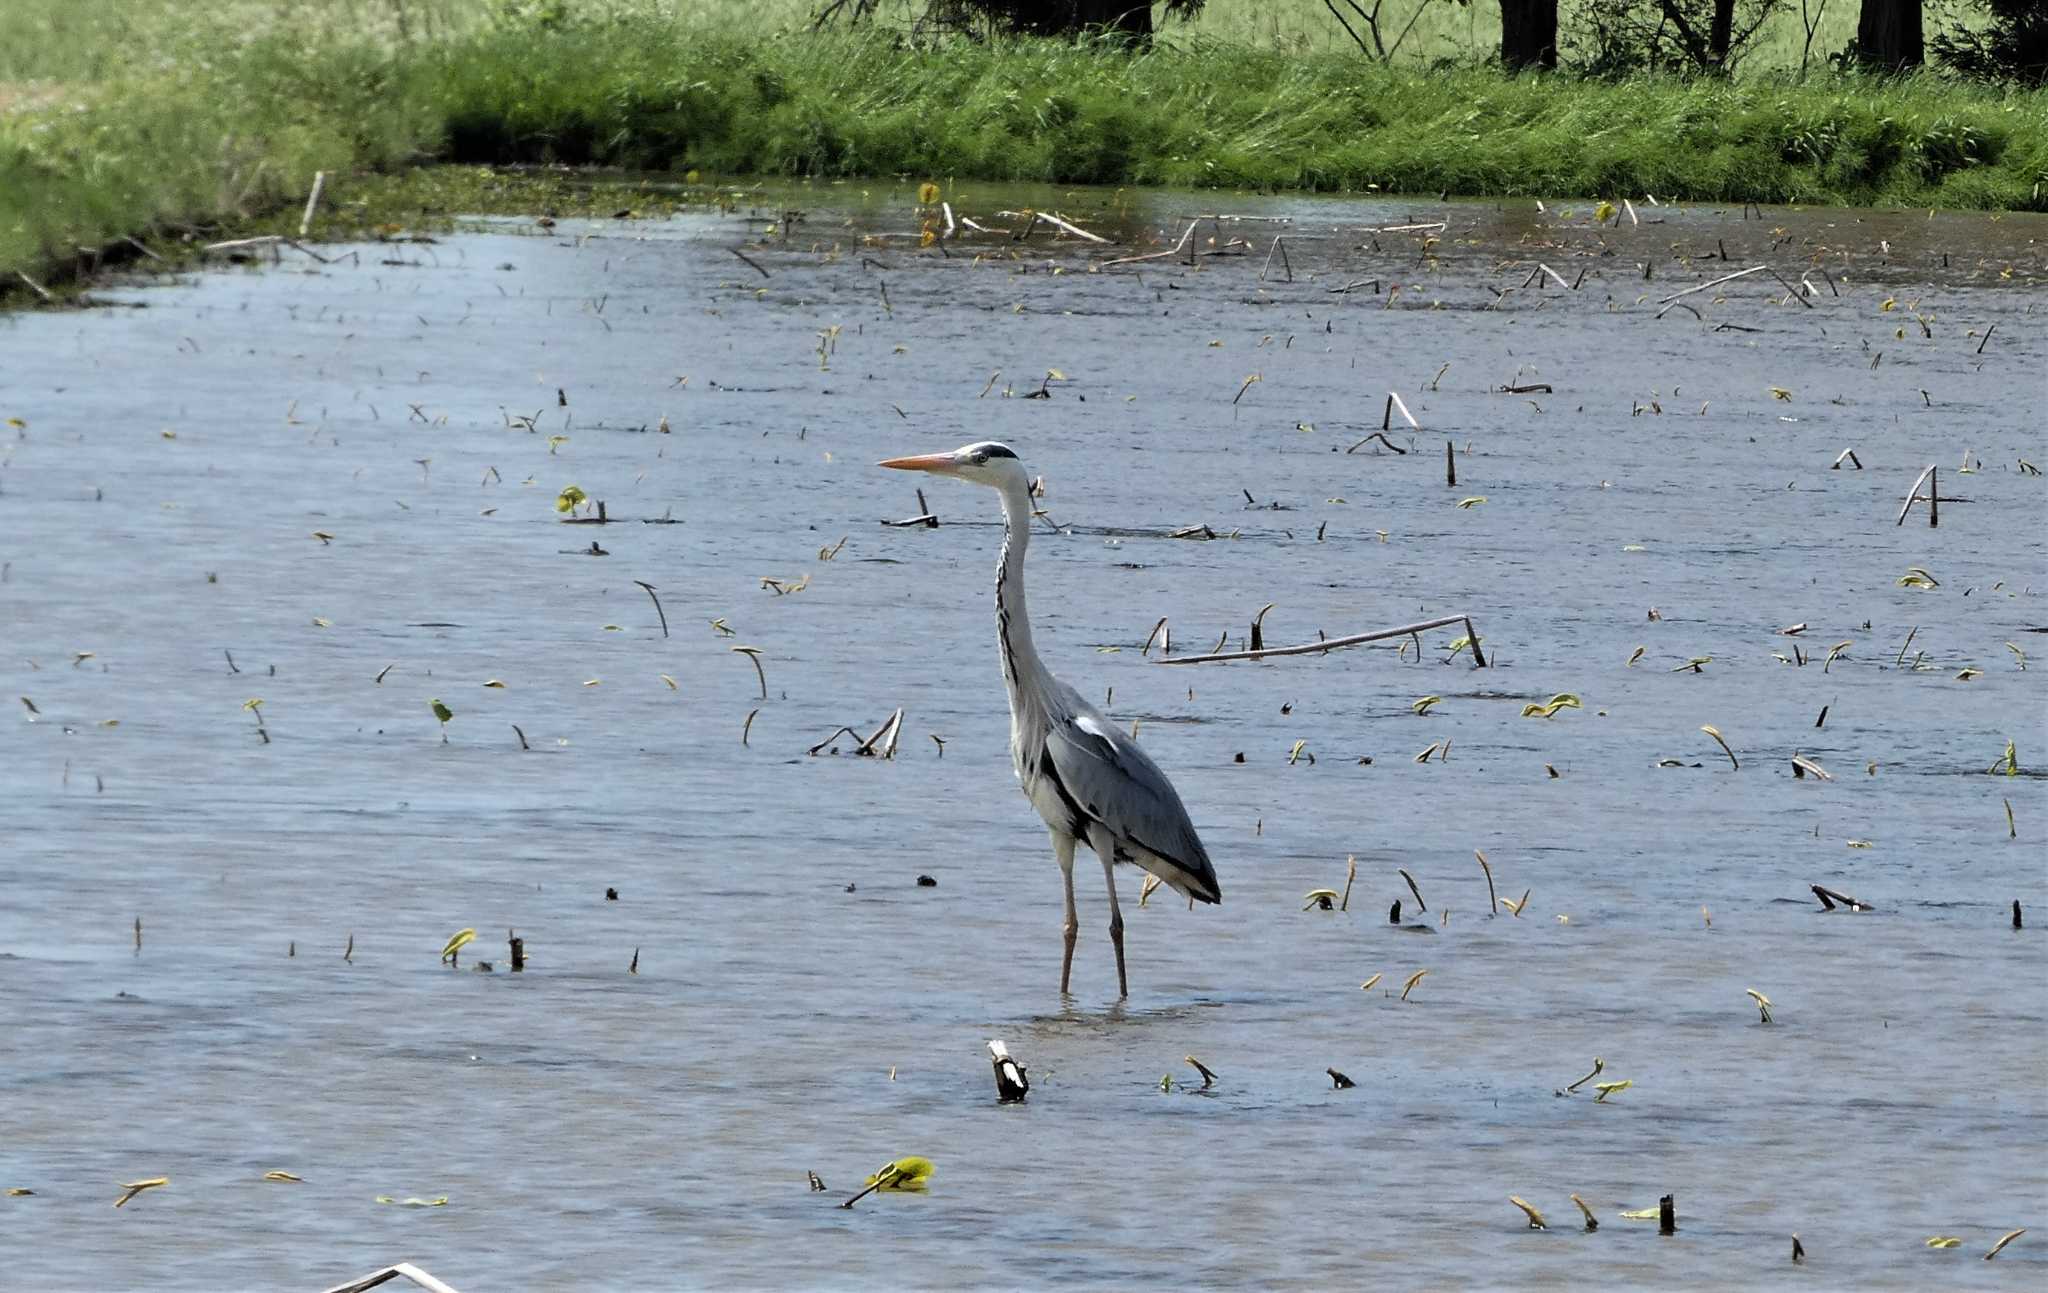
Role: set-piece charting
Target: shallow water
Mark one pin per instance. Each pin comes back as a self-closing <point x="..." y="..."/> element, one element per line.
<point x="593" y="1127"/>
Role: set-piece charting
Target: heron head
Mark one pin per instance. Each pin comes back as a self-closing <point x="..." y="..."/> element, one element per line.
<point x="984" y="463"/>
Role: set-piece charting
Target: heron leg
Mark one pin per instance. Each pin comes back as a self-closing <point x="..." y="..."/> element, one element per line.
<point x="1063" y="849"/>
<point x="1105" y="848"/>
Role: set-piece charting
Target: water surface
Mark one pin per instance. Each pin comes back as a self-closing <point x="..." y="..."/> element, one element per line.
<point x="800" y="1003"/>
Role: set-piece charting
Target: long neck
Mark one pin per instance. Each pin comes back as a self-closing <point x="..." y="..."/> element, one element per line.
<point x="1023" y="671"/>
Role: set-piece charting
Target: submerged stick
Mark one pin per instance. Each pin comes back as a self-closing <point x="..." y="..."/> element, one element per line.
<point x="1331" y="644"/>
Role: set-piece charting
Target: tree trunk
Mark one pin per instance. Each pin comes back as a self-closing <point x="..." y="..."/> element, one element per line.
<point x="1721" y="32"/>
<point x="1528" y="34"/>
<point x="1888" y="35"/>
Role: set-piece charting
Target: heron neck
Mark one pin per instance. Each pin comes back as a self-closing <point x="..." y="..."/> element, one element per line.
<point x="1013" y="619"/>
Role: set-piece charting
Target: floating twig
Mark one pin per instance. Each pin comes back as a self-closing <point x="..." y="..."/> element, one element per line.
<point x="1492" y="901"/>
<point x="1536" y="1221"/>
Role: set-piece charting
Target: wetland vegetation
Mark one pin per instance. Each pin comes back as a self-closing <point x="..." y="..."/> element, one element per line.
<point x="160" y="121"/>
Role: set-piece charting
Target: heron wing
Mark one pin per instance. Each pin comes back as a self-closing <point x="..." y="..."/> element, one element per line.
<point x="1110" y="777"/>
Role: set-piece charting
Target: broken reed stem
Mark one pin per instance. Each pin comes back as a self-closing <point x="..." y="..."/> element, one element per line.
<point x="1330" y="644"/>
<point x="1208" y="1075"/>
<point x="1175" y="250"/>
<point x="1913" y="496"/>
<point x="1278" y="248"/>
<point x="754" y="654"/>
<point x="312" y="202"/>
<point x="1420" y="905"/>
<point x="1716" y="282"/>
<point x="882" y="1178"/>
<point x="1492" y="900"/>
<point x="750" y="261"/>
<point x="1379" y="436"/>
<point x="657" y="603"/>
<point x="1351" y="868"/>
<point x="1394" y="401"/>
<point x="1450" y="465"/>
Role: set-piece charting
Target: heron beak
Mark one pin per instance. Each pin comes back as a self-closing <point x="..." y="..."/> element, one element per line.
<point x="941" y="463"/>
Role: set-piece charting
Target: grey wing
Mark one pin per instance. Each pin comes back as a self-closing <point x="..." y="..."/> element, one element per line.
<point x="1108" y="777"/>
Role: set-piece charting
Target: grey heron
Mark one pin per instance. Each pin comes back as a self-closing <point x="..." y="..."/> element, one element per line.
<point x="1090" y="781"/>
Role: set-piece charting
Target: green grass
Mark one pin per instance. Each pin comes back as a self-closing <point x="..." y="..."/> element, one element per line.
<point x="137" y="117"/>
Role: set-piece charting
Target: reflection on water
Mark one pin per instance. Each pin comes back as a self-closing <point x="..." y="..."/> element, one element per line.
<point x="799" y="1002"/>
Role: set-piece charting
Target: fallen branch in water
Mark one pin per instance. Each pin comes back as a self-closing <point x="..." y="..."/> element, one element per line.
<point x="1331" y="644"/>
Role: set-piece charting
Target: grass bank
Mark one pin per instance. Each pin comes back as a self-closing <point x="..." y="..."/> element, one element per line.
<point x="219" y="130"/>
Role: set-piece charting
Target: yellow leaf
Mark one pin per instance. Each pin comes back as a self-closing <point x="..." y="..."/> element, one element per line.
<point x="494" y="683"/>
<point x="910" y="1173"/>
<point x="1780" y="393"/>
<point x="670" y="681"/>
<point x="927" y="193"/>
<point x="282" y="1176"/>
<point x="1473" y="501"/>
<point x="1422" y="706"/>
<point x="463" y="938"/>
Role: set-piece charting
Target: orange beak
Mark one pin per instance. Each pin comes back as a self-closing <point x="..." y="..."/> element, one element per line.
<point x="937" y="462"/>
